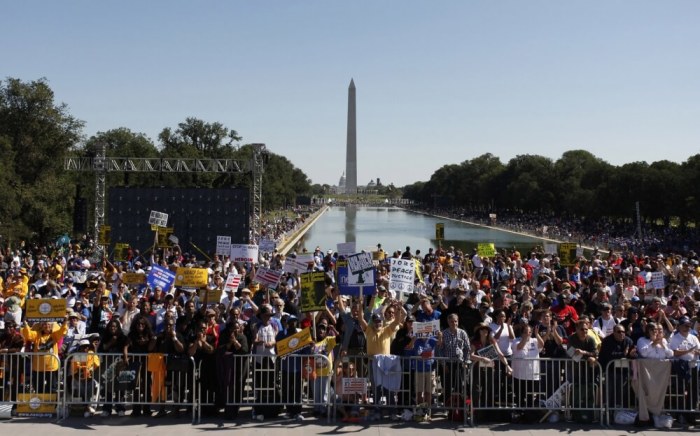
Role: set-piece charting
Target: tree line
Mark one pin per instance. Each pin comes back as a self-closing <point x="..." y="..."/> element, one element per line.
<point x="578" y="184"/>
<point x="37" y="134"/>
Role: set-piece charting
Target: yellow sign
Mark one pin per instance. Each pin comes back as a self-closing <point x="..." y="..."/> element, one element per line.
<point x="191" y="277"/>
<point x="46" y="309"/>
<point x="163" y="235"/>
<point x="294" y="342"/>
<point x="37" y="405"/>
<point x="486" y="249"/>
<point x="567" y="253"/>
<point x="212" y="296"/>
<point x="105" y="235"/>
<point x="132" y="278"/>
<point x="121" y="251"/>
<point x="440" y="231"/>
<point x="313" y="291"/>
<point x="419" y="270"/>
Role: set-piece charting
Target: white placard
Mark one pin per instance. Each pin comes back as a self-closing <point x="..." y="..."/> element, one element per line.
<point x="402" y="275"/>
<point x="657" y="280"/>
<point x="267" y="245"/>
<point x="232" y="281"/>
<point x="305" y="257"/>
<point x="346" y="248"/>
<point x="244" y="253"/>
<point x="266" y="276"/>
<point x="367" y="279"/>
<point x="293" y="266"/>
<point x="354" y="386"/>
<point x="550" y="248"/>
<point x="426" y="329"/>
<point x="223" y="245"/>
<point x="159" y="219"/>
<point x="360" y="262"/>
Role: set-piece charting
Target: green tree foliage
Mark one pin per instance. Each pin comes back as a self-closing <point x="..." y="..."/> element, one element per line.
<point x="35" y="135"/>
<point x="578" y="184"/>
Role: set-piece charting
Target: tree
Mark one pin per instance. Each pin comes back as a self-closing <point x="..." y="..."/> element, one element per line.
<point x="528" y="184"/>
<point x="197" y="139"/>
<point x="578" y="174"/>
<point x="37" y="134"/>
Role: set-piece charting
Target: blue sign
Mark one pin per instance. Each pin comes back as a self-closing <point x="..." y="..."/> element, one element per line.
<point x="159" y="276"/>
<point x="345" y="289"/>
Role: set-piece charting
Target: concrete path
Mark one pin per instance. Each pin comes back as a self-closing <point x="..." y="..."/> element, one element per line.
<point x="126" y="426"/>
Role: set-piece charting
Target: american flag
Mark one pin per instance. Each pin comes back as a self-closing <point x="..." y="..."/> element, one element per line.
<point x="268" y="277"/>
<point x="232" y="281"/>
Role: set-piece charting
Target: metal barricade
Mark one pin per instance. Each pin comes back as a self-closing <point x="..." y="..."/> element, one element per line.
<point x="618" y="391"/>
<point x="144" y="382"/>
<point x="401" y="387"/>
<point x="265" y="384"/>
<point x="537" y="388"/>
<point x="623" y="384"/>
<point x="31" y="384"/>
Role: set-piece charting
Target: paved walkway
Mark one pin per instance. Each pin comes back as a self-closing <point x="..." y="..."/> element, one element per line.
<point x="171" y="427"/>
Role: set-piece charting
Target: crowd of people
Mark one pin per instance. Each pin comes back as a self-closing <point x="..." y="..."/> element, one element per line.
<point x="501" y="313"/>
<point x="596" y="231"/>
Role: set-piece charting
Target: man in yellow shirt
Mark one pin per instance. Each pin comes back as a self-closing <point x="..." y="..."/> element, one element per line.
<point x="379" y="339"/>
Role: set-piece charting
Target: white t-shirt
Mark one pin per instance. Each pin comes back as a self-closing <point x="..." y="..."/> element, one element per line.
<point x="528" y="369"/>
<point x="680" y="342"/>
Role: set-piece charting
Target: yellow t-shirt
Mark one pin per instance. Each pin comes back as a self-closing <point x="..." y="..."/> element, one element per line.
<point x="324" y="367"/>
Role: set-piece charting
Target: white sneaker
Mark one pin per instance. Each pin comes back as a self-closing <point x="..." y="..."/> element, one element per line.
<point x="91" y="410"/>
<point x="105" y="413"/>
<point x="121" y="413"/>
<point x="298" y="417"/>
<point x="260" y="418"/>
<point x="87" y="414"/>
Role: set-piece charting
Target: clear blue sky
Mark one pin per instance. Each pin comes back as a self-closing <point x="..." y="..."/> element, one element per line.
<point x="438" y="82"/>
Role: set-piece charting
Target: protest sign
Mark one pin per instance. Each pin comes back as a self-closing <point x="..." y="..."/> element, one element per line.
<point x="313" y="291"/>
<point x="132" y="278"/>
<point x="121" y="251"/>
<point x="232" y="281"/>
<point x="567" y="253"/>
<point x="223" y="245"/>
<point x="550" y="248"/>
<point x="46" y="309"/>
<point x="159" y="219"/>
<point x="346" y="248"/>
<point x="244" y="253"/>
<point x="267" y="245"/>
<point x="35" y="405"/>
<point x="159" y="276"/>
<point x="212" y="296"/>
<point x="657" y="280"/>
<point x="295" y="342"/>
<point x="354" y="385"/>
<point x="266" y="276"/>
<point x="402" y="275"/>
<point x="344" y="276"/>
<point x="486" y="249"/>
<point x="191" y="277"/>
<point x="426" y="329"/>
<point x="360" y="262"/>
<point x="294" y="266"/>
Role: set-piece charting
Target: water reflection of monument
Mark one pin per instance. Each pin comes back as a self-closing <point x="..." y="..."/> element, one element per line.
<point x="350" y="223"/>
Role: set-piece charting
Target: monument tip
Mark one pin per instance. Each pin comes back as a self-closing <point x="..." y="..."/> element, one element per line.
<point x="352" y="83"/>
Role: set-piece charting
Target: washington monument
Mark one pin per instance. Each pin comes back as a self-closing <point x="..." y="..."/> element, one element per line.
<point x="351" y="153"/>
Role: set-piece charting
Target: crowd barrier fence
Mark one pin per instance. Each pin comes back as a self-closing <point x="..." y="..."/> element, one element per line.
<point x="358" y="387"/>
